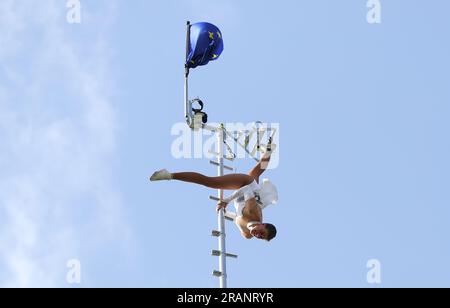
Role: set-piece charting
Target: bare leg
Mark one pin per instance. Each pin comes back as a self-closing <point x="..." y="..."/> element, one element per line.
<point x="259" y="169"/>
<point x="230" y="181"/>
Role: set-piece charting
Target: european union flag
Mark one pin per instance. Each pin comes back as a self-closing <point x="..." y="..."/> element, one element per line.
<point x="205" y="44"/>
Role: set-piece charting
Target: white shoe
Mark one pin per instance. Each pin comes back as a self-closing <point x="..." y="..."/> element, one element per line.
<point x="162" y="175"/>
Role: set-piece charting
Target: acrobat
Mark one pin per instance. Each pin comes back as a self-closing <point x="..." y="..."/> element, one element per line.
<point x="250" y="197"/>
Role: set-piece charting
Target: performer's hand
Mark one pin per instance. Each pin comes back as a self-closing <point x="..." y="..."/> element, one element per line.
<point x="222" y="205"/>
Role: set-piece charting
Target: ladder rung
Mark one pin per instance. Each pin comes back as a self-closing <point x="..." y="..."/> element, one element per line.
<point x="214" y="198"/>
<point x="229" y="218"/>
<point x="217" y="164"/>
<point x="218" y="253"/>
<point x="217" y="273"/>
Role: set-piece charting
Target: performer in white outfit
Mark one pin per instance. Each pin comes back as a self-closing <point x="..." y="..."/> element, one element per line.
<point x="250" y="197"/>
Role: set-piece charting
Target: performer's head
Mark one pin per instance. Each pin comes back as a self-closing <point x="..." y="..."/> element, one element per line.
<point x="264" y="231"/>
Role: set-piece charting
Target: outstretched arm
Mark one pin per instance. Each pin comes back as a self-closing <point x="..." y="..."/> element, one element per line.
<point x="242" y="192"/>
<point x="245" y="192"/>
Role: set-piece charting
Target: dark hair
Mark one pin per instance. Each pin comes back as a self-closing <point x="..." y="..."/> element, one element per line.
<point x="271" y="231"/>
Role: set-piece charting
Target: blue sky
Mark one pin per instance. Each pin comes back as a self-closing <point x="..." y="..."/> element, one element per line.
<point x="86" y="112"/>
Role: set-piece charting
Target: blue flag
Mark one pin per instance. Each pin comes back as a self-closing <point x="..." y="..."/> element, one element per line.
<point x="205" y="44"/>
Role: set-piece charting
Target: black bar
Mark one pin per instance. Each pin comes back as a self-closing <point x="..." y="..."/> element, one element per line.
<point x="188" y="41"/>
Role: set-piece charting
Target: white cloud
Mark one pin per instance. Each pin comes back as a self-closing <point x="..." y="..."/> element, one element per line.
<point x="57" y="143"/>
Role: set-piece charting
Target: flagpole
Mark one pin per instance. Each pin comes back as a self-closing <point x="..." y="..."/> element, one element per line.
<point x="221" y="218"/>
<point x="221" y="137"/>
<point x="186" y="76"/>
